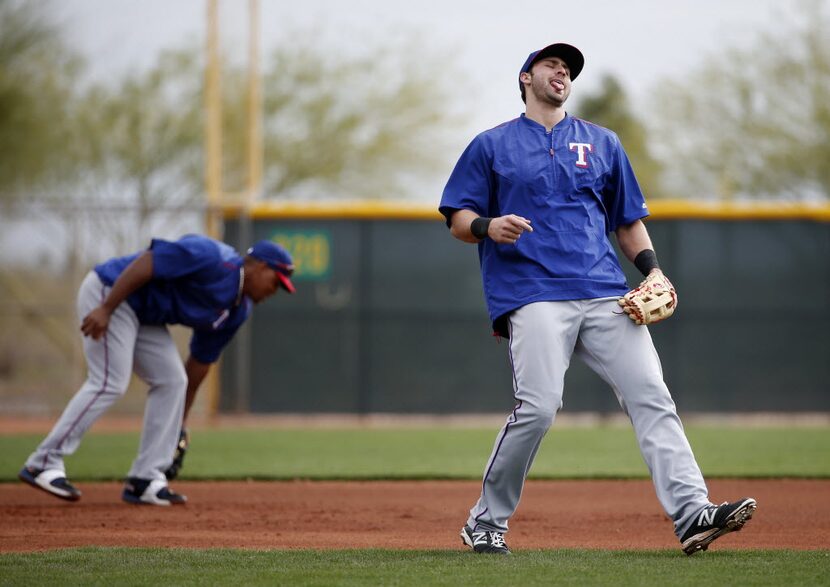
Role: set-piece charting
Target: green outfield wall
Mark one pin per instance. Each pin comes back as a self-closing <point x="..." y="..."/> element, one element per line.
<point x="389" y="315"/>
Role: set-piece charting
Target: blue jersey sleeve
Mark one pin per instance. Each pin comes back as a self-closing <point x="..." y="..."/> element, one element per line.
<point x="623" y="198"/>
<point x="469" y="186"/>
<point x="190" y="254"/>
<point x="207" y="345"/>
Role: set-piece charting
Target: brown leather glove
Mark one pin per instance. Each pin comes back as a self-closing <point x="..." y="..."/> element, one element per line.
<point x="652" y="301"/>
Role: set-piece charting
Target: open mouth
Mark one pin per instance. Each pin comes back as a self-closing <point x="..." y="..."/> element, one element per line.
<point x="558" y="85"/>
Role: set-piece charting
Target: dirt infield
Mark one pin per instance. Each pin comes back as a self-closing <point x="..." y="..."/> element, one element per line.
<point x="400" y="515"/>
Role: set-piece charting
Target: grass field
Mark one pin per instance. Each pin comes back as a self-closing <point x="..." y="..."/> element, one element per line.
<point x="420" y="453"/>
<point x="100" y="566"/>
<point x="440" y="453"/>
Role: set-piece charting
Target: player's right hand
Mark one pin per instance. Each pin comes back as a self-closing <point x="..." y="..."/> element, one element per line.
<point x="96" y="322"/>
<point x="507" y="229"/>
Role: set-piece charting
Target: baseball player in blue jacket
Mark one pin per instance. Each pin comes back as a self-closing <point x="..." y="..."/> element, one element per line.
<point x="540" y="195"/>
<point x="125" y="305"/>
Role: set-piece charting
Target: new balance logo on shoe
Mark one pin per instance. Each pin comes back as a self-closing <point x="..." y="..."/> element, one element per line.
<point x="715" y="521"/>
<point x="707" y="517"/>
<point x="484" y="542"/>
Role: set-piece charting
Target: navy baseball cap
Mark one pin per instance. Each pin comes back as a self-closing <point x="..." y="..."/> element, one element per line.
<point x="277" y="259"/>
<point x="567" y="53"/>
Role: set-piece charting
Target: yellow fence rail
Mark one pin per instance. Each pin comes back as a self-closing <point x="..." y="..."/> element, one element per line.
<point x="660" y="210"/>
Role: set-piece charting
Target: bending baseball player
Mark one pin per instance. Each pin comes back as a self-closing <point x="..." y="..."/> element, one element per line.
<point x="540" y="195"/>
<point x="124" y="305"/>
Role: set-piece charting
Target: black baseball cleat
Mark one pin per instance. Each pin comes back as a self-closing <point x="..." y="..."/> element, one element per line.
<point x="150" y="492"/>
<point x="484" y="542"/>
<point x="178" y="457"/>
<point x="715" y="521"/>
<point x="52" y="481"/>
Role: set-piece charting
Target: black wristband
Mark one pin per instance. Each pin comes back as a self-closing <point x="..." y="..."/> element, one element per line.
<point x="480" y="226"/>
<point x="646" y="260"/>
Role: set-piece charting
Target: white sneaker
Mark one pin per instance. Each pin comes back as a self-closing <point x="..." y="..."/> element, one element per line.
<point x="150" y="492"/>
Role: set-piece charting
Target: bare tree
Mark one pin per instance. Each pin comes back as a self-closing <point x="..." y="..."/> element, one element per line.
<point x="753" y="122"/>
<point x="37" y="73"/>
<point x="335" y="126"/>
<point x="610" y="107"/>
<point x="139" y="148"/>
<point x="371" y="126"/>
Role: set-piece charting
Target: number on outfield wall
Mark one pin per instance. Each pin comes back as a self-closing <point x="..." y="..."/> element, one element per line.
<point x="311" y="251"/>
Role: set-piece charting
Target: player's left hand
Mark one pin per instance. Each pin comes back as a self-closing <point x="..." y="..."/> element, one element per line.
<point x="652" y="301"/>
<point x="96" y="322"/>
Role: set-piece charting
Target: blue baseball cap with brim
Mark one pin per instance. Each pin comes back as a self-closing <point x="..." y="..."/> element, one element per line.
<point x="277" y="258"/>
<point x="567" y="53"/>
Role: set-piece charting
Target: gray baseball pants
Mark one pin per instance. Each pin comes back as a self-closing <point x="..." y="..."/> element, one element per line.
<point x="126" y="346"/>
<point x="543" y="337"/>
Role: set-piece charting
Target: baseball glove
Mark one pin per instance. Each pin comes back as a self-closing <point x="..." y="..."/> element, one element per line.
<point x="178" y="457"/>
<point x="652" y="301"/>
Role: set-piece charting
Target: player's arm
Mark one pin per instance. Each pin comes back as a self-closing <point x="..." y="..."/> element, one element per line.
<point x="206" y="346"/>
<point x="196" y="372"/>
<point x="636" y="245"/>
<point x="655" y="299"/>
<point x="469" y="227"/>
<point x="136" y="274"/>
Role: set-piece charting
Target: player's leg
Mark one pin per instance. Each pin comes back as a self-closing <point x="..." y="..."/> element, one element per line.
<point x="109" y="367"/>
<point x="157" y="362"/>
<point x="623" y="354"/>
<point x="542" y="338"/>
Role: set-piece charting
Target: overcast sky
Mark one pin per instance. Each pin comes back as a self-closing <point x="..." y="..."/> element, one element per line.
<point x="640" y="41"/>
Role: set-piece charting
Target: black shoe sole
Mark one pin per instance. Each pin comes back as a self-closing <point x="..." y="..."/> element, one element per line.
<point x="133" y="500"/>
<point x="733" y="524"/>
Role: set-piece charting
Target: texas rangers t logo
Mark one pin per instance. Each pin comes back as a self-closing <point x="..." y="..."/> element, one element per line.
<point x="581" y="148"/>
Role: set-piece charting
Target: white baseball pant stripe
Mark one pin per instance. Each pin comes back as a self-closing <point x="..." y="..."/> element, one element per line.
<point x="543" y="337"/>
<point x="126" y="346"/>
